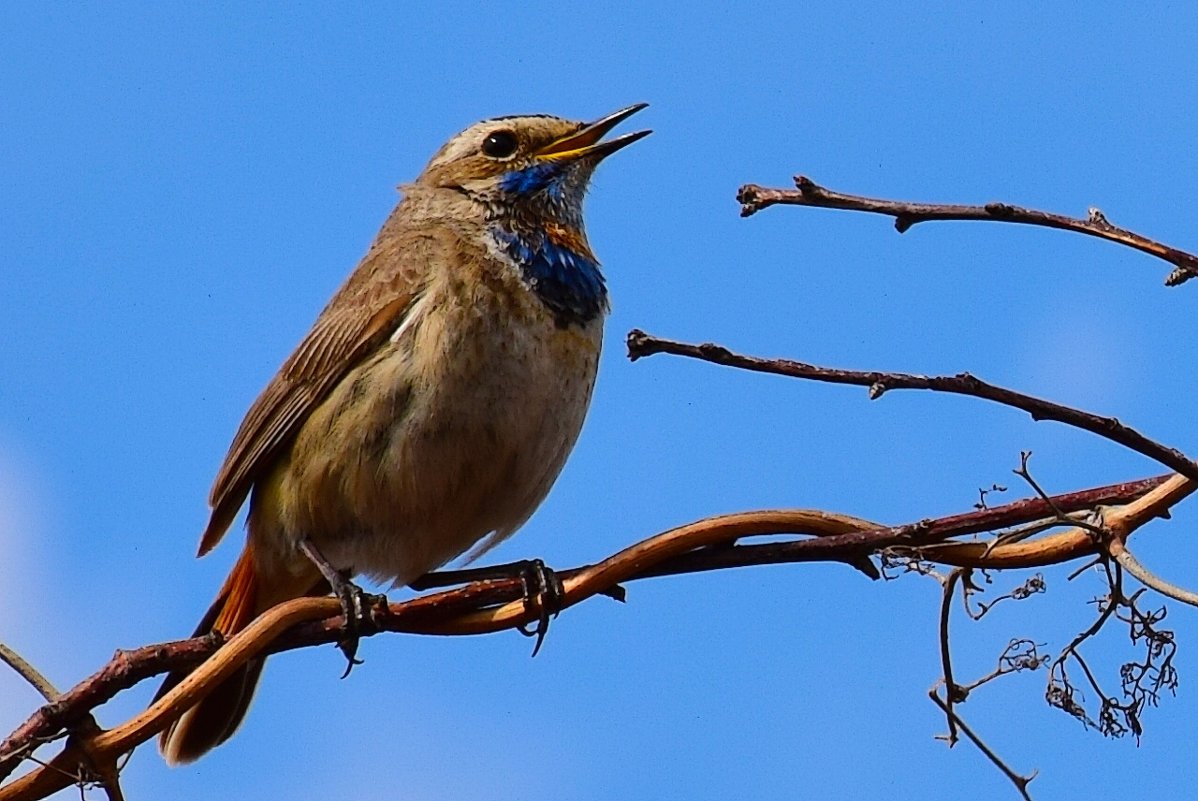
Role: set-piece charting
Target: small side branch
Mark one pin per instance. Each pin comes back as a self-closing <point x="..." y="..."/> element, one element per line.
<point x="754" y="198"/>
<point x="1021" y="782"/>
<point x="1020" y="654"/>
<point x="28" y="672"/>
<point x="1124" y="557"/>
<point x="952" y="692"/>
<point x="641" y="345"/>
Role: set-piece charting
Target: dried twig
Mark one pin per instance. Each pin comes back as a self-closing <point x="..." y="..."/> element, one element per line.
<point x="1027" y="589"/>
<point x="1081" y="534"/>
<point x="1115" y="718"/>
<point x="952" y="692"/>
<point x="28" y="672"/>
<point x="641" y="344"/>
<point x="754" y="198"/>
<point x="1118" y="550"/>
<point x="1020" y="654"/>
<point x="1021" y="782"/>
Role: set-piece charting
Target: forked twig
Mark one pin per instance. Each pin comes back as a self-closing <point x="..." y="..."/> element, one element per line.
<point x="754" y="198"/>
<point x="1021" y="782"/>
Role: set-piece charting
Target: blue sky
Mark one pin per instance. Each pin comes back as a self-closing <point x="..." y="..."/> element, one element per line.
<point x="183" y="186"/>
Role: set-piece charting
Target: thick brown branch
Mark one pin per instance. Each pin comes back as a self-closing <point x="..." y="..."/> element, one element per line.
<point x="641" y="344"/>
<point x="495" y="605"/>
<point x="754" y="198"/>
<point x="929" y="536"/>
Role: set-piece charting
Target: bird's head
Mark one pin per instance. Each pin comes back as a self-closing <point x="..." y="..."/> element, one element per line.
<point x="528" y="167"/>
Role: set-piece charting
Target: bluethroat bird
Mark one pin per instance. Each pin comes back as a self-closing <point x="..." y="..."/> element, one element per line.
<point x="435" y="399"/>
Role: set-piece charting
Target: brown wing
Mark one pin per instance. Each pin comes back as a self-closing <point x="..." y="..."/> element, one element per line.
<point x="365" y="311"/>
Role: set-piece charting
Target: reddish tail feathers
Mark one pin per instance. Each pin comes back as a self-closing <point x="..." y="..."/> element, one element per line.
<point x="214" y="719"/>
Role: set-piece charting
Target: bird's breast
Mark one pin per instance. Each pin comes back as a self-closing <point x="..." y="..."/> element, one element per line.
<point x="453" y="431"/>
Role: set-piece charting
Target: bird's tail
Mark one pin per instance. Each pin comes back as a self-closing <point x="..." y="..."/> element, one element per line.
<point x="214" y="719"/>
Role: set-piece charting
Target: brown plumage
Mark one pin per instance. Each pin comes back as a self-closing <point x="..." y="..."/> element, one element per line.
<point x="435" y="399"/>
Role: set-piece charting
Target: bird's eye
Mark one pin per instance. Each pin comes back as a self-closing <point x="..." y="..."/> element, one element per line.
<point x="500" y="144"/>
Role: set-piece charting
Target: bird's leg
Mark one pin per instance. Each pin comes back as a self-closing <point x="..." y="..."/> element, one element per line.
<point x="543" y="591"/>
<point x="355" y="602"/>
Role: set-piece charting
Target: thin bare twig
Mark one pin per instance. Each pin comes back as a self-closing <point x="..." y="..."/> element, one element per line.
<point x="1019" y="655"/>
<point x="1124" y="557"/>
<point x="28" y="672"/>
<point x="1027" y="589"/>
<point x="754" y="198"/>
<point x="1021" y="782"/>
<point x="641" y="345"/>
<point x="1141" y="681"/>
<point x="952" y="692"/>
<point x="1059" y="692"/>
<point x="1061" y="515"/>
<point x="984" y="491"/>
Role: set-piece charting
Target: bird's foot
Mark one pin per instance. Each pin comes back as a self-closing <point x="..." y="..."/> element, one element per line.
<point x="543" y="591"/>
<point x="357" y="605"/>
<point x="544" y="596"/>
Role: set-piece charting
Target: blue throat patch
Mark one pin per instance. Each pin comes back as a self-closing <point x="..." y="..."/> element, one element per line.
<point x="566" y="281"/>
<point x="532" y="179"/>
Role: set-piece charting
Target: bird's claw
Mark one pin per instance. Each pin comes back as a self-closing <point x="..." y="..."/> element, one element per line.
<point x="543" y="596"/>
<point x="357" y="607"/>
<point x="543" y="593"/>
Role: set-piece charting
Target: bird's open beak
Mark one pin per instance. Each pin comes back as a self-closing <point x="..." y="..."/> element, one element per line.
<point x="585" y="142"/>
